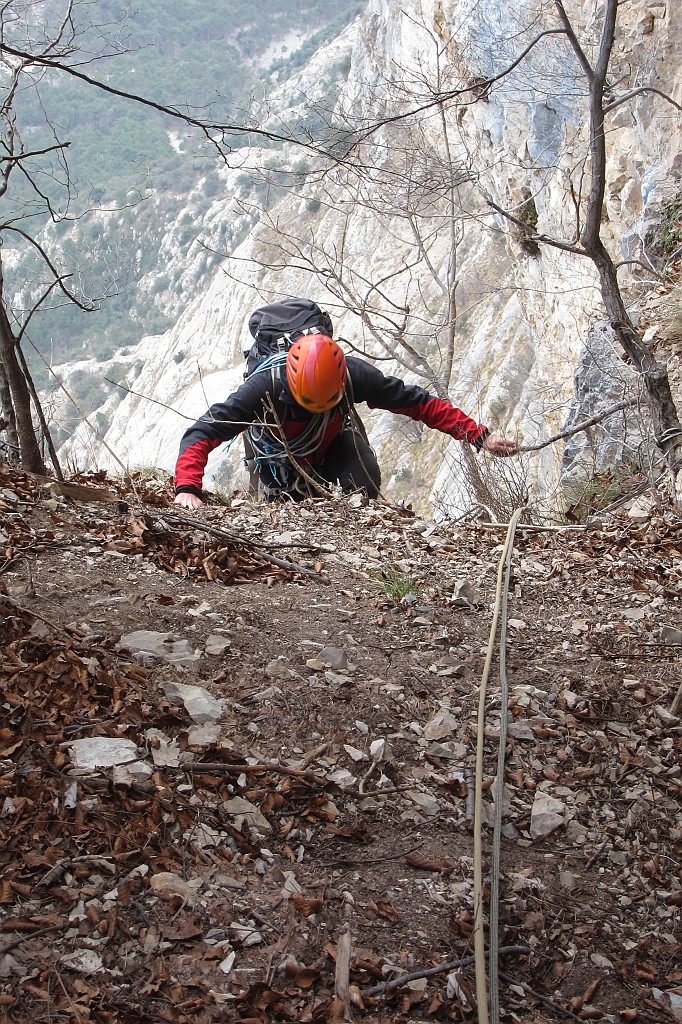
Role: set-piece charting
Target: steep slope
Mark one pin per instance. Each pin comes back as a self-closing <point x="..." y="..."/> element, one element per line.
<point x="212" y="765"/>
<point x="524" y="313"/>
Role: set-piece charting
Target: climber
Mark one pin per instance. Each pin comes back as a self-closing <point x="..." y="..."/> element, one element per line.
<point x="309" y="394"/>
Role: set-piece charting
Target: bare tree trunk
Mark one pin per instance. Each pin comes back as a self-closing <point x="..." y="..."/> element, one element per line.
<point x="29" y="449"/>
<point x="9" y="423"/>
<point x="47" y="436"/>
<point x="667" y="428"/>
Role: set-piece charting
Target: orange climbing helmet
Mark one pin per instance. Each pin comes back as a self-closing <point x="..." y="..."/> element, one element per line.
<point x="316" y="372"/>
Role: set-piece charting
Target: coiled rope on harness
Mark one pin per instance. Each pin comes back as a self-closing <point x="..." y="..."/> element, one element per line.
<point x="271" y="452"/>
<point x="500" y="610"/>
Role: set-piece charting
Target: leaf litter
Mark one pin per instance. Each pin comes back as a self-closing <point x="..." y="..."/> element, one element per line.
<point x="154" y="867"/>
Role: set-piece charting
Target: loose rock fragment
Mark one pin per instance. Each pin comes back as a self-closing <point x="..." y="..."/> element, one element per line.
<point x="102" y="752"/>
<point x="151" y="646"/>
<point x="547" y="814"/>
<point x="217" y="645"/>
<point x="199" y="704"/>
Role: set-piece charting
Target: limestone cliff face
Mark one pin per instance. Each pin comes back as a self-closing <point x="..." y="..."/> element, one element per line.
<point x="523" y="313"/>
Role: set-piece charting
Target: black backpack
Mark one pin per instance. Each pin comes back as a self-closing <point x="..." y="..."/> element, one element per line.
<point x="276" y="327"/>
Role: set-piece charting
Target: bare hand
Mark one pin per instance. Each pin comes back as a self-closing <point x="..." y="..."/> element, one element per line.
<point x="499" y="446"/>
<point x="188" y="500"/>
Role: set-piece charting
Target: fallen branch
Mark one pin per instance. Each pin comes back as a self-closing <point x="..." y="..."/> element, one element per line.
<point x="355" y="862"/>
<point x="250" y="769"/>
<point x="430" y="972"/>
<point x="281" y="563"/>
<point x="625" y="404"/>
<point x="538" y="995"/>
<point x="677" y="703"/>
<point x="532" y="528"/>
<point x="30" y="935"/>
<point x="341" y="1010"/>
<point x="313" y="754"/>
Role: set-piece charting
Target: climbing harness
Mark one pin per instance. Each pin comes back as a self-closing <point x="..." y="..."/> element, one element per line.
<point x="270" y="454"/>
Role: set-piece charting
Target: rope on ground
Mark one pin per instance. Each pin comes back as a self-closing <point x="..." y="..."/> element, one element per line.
<point x="479" y="937"/>
<point x="493" y="938"/>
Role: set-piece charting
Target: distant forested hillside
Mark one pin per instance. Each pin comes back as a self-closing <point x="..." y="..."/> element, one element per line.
<point x="131" y="168"/>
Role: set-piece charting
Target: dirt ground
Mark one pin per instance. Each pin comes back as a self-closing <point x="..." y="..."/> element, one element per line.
<point x="218" y="870"/>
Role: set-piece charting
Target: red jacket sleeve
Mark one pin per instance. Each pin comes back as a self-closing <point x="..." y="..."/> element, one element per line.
<point x="370" y="385"/>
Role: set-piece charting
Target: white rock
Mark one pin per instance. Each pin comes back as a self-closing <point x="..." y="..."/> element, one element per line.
<point x="425" y="802"/>
<point x="547" y="814"/>
<point x="334" y="658"/>
<point x="153" y="646"/>
<point x="440" y="727"/>
<point x="202" y="836"/>
<point x="199" y="704"/>
<point x="354" y="753"/>
<point x="641" y="509"/>
<point x="167" y="885"/>
<point x="291" y="886"/>
<point x="377" y="749"/>
<point x="343" y="778"/>
<point x="132" y="774"/>
<point x="464" y="594"/>
<point x="520" y="731"/>
<point x="227" y="964"/>
<point x="247" y="935"/>
<point x="102" y="752"/>
<point x="217" y="645"/>
<point x="164" y="750"/>
<point x="243" y="810"/>
<point x="203" y="735"/>
<point x="671" y="1000"/>
<point x="666" y="717"/>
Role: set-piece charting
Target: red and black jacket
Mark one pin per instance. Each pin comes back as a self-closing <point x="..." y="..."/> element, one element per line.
<point x="246" y="406"/>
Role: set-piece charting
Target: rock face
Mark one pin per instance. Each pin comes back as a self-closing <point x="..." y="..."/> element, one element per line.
<point x="602" y="380"/>
<point x="524" y="313"/>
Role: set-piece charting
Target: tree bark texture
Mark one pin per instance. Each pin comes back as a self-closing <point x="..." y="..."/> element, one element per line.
<point x="29" y="449"/>
<point x="9" y="423"/>
<point x="667" y="428"/>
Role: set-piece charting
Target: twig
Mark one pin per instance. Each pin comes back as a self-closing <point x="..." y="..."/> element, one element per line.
<point x="532" y="528"/>
<point x="341" y="1007"/>
<point x="388" y="790"/>
<point x="228" y="535"/>
<point x="469" y="782"/>
<point x="625" y="404"/>
<point x="430" y="972"/>
<point x="353" y="862"/>
<point x="537" y="995"/>
<point x="597" y="854"/>
<point x="249" y="769"/>
<point x="281" y="563"/>
<point x="363" y="780"/>
<point x="69" y="634"/>
<point x="312" y="755"/>
<point x="676" y="706"/>
<point x="30" y="935"/>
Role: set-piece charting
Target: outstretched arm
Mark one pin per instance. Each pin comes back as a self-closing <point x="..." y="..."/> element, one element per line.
<point x="222" y="422"/>
<point x="370" y="385"/>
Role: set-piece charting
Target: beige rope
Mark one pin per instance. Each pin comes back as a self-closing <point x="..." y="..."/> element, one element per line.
<point x="479" y="937"/>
